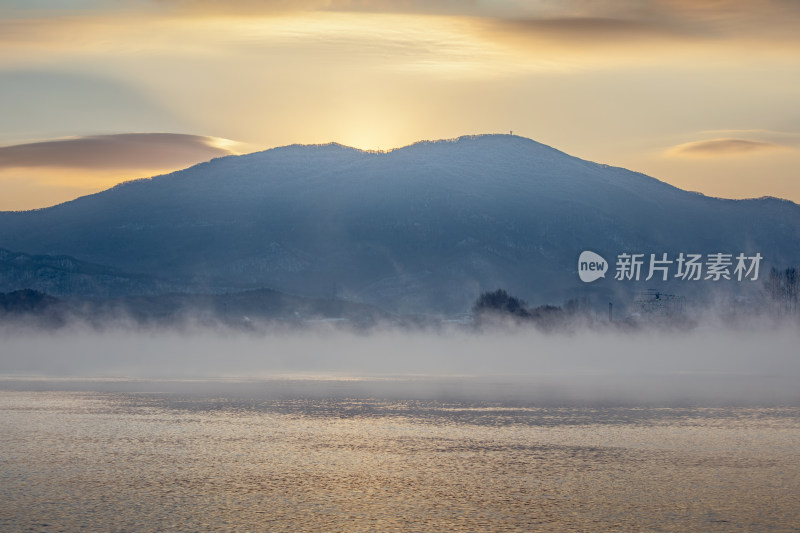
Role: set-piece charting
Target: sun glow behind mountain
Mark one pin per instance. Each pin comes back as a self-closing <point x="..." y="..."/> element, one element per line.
<point x="615" y="82"/>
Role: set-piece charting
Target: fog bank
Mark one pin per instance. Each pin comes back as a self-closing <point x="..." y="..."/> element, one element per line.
<point x="523" y="364"/>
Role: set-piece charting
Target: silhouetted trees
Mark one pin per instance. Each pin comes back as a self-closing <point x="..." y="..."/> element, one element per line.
<point x="499" y="302"/>
<point x="26" y="301"/>
<point x="783" y="287"/>
<point x="32" y="307"/>
<point x="575" y="306"/>
<point x="548" y="317"/>
<point x="500" y="305"/>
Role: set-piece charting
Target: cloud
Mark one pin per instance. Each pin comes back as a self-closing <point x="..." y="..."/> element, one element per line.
<point x="281" y="6"/>
<point x="128" y="151"/>
<point x="580" y="30"/>
<point x="722" y="147"/>
<point x="53" y="103"/>
<point x="578" y="23"/>
<point x="772" y="19"/>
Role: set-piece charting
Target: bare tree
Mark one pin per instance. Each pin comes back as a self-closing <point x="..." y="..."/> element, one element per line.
<point x="783" y="287"/>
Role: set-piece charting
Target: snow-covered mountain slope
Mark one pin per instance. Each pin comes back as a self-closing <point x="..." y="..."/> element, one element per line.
<point x="422" y="228"/>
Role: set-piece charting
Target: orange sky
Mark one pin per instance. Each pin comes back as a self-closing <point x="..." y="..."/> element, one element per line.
<point x="702" y="95"/>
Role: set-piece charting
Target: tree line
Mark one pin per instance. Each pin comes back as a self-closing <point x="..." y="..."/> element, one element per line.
<point x="783" y="287"/>
<point x="499" y="304"/>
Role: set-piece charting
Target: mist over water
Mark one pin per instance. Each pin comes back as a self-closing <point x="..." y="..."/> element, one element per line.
<point x="713" y="366"/>
<point x="397" y="429"/>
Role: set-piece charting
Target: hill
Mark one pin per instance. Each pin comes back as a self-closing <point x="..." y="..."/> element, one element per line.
<point x="421" y="229"/>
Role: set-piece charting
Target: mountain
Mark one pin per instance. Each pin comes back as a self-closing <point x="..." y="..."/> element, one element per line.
<point x="66" y="276"/>
<point x="26" y="301"/>
<point x="425" y="228"/>
<point x="240" y="309"/>
<point x="33" y="308"/>
<point x="245" y="309"/>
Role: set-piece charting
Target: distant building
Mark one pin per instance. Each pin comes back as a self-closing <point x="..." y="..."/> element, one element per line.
<point x="657" y="303"/>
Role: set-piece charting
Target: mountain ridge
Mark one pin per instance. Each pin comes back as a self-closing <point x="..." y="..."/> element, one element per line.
<point x="417" y="144"/>
<point x="425" y="227"/>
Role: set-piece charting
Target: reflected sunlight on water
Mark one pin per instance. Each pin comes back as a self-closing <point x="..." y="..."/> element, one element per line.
<point x="150" y="461"/>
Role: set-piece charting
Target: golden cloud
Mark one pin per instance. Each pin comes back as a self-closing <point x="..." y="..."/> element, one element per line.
<point x="263" y="7"/>
<point x="770" y="19"/>
<point x="722" y="147"/>
<point x="122" y="151"/>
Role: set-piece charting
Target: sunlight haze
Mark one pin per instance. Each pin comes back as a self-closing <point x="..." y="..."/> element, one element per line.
<point x="700" y="95"/>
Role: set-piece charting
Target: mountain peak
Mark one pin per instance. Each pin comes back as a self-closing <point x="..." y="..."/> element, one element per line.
<point x="480" y="142"/>
<point x="425" y="227"/>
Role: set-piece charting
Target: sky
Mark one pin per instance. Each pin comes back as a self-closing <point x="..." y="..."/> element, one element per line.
<point x="701" y="94"/>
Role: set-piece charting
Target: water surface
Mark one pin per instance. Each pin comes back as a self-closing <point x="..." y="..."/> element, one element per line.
<point x="273" y="457"/>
